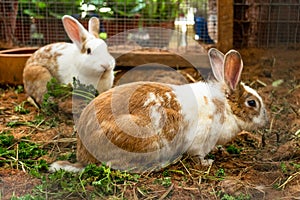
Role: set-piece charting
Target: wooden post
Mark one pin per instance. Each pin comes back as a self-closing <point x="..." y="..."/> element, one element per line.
<point x="225" y="25"/>
<point x="8" y="16"/>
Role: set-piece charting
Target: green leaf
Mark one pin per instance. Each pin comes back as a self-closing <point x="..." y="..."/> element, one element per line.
<point x="233" y="150"/>
<point x="6" y="140"/>
<point x="41" y="5"/>
<point x="277" y="82"/>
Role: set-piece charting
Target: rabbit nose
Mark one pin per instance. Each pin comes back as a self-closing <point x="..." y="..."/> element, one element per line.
<point x="111" y="64"/>
<point x="266" y="116"/>
<point x="108" y="65"/>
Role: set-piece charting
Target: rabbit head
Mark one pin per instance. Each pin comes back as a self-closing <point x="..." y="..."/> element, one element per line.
<point x="244" y="103"/>
<point x="94" y="50"/>
<point x="87" y="59"/>
<point x="94" y="58"/>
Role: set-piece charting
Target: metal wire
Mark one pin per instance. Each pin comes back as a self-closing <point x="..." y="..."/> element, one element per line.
<point x="126" y="24"/>
<point x="270" y="23"/>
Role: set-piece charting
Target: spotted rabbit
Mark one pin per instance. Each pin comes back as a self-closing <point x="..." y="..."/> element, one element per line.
<point x="86" y="59"/>
<point x="146" y="125"/>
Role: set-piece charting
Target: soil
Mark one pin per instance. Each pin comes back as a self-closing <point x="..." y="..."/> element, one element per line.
<point x="256" y="171"/>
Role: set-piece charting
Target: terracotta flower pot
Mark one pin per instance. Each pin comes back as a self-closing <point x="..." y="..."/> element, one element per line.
<point x="12" y="63"/>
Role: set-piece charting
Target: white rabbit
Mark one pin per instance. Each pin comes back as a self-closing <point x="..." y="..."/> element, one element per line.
<point x="147" y="125"/>
<point x="86" y="59"/>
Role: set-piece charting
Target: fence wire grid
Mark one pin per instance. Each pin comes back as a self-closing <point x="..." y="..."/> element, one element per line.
<point x="257" y="23"/>
<point x="39" y="22"/>
<point x="266" y="23"/>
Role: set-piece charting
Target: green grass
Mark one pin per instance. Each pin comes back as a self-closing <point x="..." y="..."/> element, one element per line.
<point x="21" y="153"/>
<point x="21" y="109"/>
<point x="233" y="149"/>
<point x="220" y="173"/>
<point x="164" y="181"/>
<point x="94" y="181"/>
<point x="101" y="182"/>
<point x="60" y="92"/>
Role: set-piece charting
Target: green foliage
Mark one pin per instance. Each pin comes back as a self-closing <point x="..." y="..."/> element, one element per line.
<point x="277" y="82"/>
<point x="87" y="92"/>
<point x="21" y="153"/>
<point x="19" y="89"/>
<point x="146" y="9"/>
<point x="133" y="7"/>
<point x="220" y="172"/>
<point x="38" y="121"/>
<point x="29" y="150"/>
<point x="71" y="156"/>
<point x="43" y="8"/>
<point x="283" y="167"/>
<point x="295" y="165"/>
<point x="233" y="150"/>
<point x="27" y="197"/>
<point x="40" y="165"/>
<point x="211" y="156"/>
<point x="164" y="181"/>
<point x="100" y="180"/>
<point x="165" y="9"/>
<point x="21" y="109"/>
<point x="166" y="173"/>
<point x="6" y="139"/>
<point x="17" y="123"/>
<point x="106" y="178"/>
<point x="57" y="91"/>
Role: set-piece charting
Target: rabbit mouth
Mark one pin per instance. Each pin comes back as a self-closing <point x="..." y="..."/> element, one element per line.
<point x="109" y="66"/>
<point x="265" y="119"/>
<point x="258" y="122"/>
<point x="105" y="68"/>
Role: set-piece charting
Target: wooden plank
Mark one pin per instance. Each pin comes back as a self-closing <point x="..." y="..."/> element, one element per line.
<point x="137" y="58"/>
<point x="225" y="25"/>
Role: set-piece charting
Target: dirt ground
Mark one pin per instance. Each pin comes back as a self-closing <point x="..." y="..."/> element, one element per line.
<point x="268" y="167"/>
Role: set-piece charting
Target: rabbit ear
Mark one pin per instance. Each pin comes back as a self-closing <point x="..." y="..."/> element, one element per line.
<point x="216" y="61"/>
<point x="94" y="26"/>
<point x="233" y="66"/>
<point x="76" y="32"/>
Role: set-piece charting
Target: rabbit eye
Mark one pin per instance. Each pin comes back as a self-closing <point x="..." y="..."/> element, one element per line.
<point x="251" y="103"/>
<point x="88" y="51"/>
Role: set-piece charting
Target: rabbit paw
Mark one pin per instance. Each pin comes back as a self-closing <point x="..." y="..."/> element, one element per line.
<point x="206" y="162"/>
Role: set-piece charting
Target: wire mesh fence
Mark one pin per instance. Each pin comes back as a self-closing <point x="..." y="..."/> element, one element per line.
<point x="266" y="23"/>
<point x="124" y="24"/>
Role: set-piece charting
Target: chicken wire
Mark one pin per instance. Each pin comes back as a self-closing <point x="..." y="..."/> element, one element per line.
<point x="124" y="24"/>
<point x="257" y="23"/>
<point x="266" y="23"/>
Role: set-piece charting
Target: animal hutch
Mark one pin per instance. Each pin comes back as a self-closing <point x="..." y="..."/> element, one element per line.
<point x="127" y="26"/>
<point x="174" y="33"/>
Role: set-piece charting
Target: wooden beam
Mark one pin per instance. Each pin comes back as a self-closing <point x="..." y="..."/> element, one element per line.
<point x="138" y="58"/>
<point x="225" y="25"/>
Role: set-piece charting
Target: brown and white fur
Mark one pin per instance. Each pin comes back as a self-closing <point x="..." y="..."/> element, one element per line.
<point x="147" y="125"/>
<point x="86" y="59"/>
